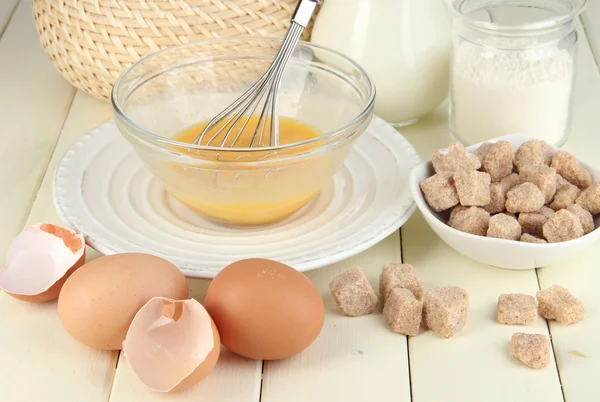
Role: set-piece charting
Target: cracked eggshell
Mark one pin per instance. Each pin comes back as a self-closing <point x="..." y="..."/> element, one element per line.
<point x="39" y="261"/>
<point x="98" y="302"/>
<point x="171" y="344"/>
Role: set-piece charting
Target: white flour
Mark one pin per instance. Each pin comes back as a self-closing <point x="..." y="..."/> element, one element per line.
<point x="498" y="92"/>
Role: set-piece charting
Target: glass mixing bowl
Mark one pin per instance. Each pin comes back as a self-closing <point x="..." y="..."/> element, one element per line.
<point x="182" y="86"/>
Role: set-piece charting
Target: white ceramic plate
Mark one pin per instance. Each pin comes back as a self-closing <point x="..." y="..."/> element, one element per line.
<point x="103" y="190"/>
<point x="499" y="252"/>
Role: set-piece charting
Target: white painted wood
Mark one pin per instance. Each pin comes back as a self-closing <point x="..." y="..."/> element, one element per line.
<point x="355" y="359"/>
<point x="576" y="346"/>
<point x="33" y="104"/>
<point x="35" y="348"/>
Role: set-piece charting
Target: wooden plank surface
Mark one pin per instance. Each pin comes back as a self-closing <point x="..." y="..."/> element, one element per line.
<point x="577" y="348"/>
<point x="355" y="359"/>
<point x="33" y="104"/>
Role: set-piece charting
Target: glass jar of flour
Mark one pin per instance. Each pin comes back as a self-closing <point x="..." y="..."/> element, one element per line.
<point x="512" y="69"/>
<point x="404" y="45"/>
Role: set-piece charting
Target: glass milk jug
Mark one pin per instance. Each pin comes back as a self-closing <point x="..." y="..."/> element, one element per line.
<point x="404" y="45"/>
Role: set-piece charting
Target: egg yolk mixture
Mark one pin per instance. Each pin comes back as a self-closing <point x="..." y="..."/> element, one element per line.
<point x="250" y="194"/>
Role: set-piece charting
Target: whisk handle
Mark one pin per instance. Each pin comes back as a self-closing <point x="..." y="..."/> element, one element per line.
<point x="304" y="11"/>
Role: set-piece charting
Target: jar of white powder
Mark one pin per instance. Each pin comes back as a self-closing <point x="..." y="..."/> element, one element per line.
<point x="512" y="68"/>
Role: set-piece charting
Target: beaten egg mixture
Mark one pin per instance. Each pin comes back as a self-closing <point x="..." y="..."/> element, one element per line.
<point x="248" y="194"/>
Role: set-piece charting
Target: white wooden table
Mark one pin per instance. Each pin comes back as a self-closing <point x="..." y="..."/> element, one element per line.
<point x="354" y="359"/>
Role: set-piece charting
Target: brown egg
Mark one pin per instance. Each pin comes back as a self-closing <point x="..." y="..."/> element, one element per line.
<point x="98" y="302"/>
<point x="264" y="309"/>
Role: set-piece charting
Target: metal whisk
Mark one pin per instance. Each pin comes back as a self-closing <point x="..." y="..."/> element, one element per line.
<point x="265" y="91"/>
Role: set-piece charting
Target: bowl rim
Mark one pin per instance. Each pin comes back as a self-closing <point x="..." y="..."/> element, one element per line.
<point x="149" y="136"/>
<point x="430" y="216"/>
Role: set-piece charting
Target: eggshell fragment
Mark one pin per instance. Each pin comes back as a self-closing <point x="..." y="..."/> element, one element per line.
<point x="39" y="261"/>
<point x="99" y="301"/>
<point x="264" y="309"/>
<point x="171" y="344"/>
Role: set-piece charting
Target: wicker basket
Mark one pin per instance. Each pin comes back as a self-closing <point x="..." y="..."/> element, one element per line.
<point x="91" y="42"/>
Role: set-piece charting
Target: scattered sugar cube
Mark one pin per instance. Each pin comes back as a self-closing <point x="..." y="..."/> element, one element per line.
<point x="498" y="192"/>
<point x="473" y="187"/>
<point x="571" y="170"/>
<point x="586" y="219"/>
<point x="403" y="312"/>
<point x="563" y="226"/>
<point x="400" y="276"/>
<point x="525" y="197"/>
<point x="446" y="310"/>
<point x="533" y="152"/>
<point x="527" y="238"/>
<point x="439" y="191"/>
<point x="473" y="220"/>
<point x="454" y="158"/>
<point x="557" y="303"/>
<point x="497" y="160"/>
<point x="532" y="223"/>
<point x="516" y="309"/>
<point x="353" y="293"/>
<point x="565" y="196"/>
<point x="502" y="226"/>
<point x="560" y="181"/>
<point x="590" y="199"/>
<point x="533" y="350"/>
<point x="544" y="177"/>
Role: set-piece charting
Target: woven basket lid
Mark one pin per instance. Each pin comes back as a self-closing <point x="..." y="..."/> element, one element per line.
<point x="91" y="42"/>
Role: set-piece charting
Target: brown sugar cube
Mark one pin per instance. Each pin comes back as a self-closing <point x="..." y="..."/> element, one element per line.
<point x="510" y="181"/>
<point x="565" y="196"/>
<point x="544" y="177"/>
<point x="439" y="191"/>
<point x="527" y="238"/>
<point x="571" y="170"/>
<point x="517" y="309"/>
<point x="498" y="192"/>
<point x="446" y="310"/>
<point x="557" y="303"/>
<point x="590" y="199"/>
<point x="473" y="220"/>
<point x="353" y="293"/>
<point x="453" y="213"/>
<point x="546" y="211"/>
<point x="473" y="188"/>
<point x="454" y="158"/>
<point x="483" y="149"/>
<point x="502" y="226"/>
<point x="403" y="312"/>
<point x="400" y="276"/>
<point x="532" y="223"/>
<point x="533" y="350"/>
<point x="510" y="214"/>
<point x="560" y="181"/>
<point x="533" y="152"/>
<point x="563" y="226"/>
<point x="525" y="197"/>
<point x="586" y="219"/>
<point x="497" y="160"/>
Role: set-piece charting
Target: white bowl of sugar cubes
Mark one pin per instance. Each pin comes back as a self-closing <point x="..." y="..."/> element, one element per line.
<point x="512" y="202"/>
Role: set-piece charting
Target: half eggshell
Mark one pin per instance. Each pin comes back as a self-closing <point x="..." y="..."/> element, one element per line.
<point x="39" y="261"/>
<point x="171" y="344"/>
